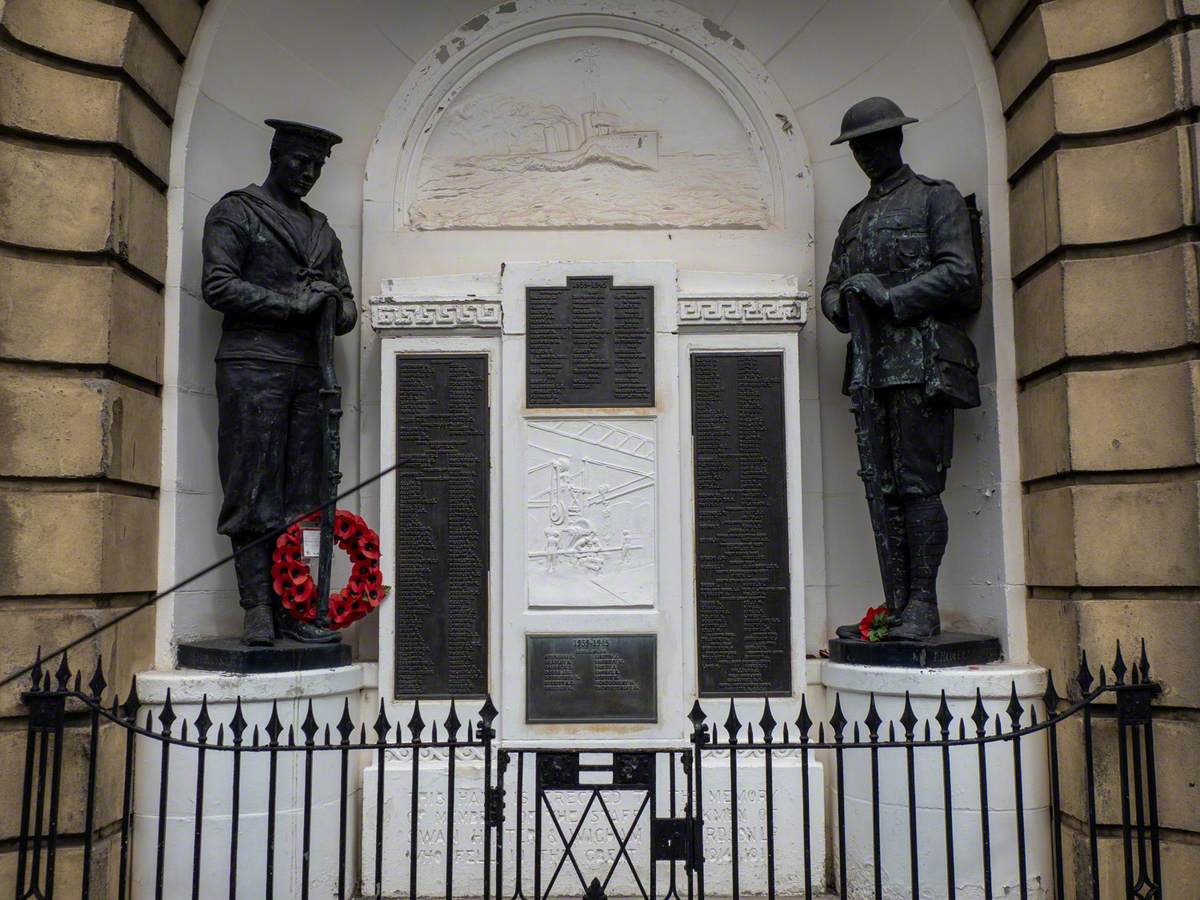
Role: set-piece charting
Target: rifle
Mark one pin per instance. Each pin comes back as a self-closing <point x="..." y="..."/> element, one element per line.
<point x="331" y="446"/>
<point x="871" y="447"/>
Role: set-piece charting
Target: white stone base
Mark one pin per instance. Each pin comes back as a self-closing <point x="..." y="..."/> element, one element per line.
<point x="595" y="847"/>
<point x="328" y="689"/>
<point x="854" y="685"/>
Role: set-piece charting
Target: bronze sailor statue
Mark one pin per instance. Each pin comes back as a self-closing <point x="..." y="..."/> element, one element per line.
<point x="904" y="275"/>
<point x="274" y="267"/>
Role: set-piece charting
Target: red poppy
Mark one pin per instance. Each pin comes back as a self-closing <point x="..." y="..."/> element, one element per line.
<point x="874" y="624"/>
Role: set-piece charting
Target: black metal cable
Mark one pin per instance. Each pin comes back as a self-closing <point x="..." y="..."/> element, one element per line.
<point x="133" y="610"/>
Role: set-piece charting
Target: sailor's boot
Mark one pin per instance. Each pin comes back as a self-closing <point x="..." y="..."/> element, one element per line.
<point x="928" y="530"/>
<point x="290" y="629"/>
<point x="253" y="568"/>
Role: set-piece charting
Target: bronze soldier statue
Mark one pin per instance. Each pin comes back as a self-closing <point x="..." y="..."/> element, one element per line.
<point x="904" y="275"/>
<point x="272" y="265"/>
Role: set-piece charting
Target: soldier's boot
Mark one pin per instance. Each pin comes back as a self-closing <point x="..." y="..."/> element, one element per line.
<point x="928" y="531"/>
<point x="252" y="566"/>
<point x="304" y="632"/>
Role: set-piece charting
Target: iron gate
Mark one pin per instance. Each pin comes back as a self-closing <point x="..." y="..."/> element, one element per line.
<point x="652" y="799"/>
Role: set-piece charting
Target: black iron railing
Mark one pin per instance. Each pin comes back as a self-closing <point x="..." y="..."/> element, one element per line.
<point x="528" y="805"/>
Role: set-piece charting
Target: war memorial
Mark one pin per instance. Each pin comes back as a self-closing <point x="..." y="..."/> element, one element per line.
<point x="598" y="448"/>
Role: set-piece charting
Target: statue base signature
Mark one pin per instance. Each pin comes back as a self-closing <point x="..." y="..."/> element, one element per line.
<point x="950" y="648"/>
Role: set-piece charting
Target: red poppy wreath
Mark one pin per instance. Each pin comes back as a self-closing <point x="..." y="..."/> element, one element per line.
<point x="294" y="584"/>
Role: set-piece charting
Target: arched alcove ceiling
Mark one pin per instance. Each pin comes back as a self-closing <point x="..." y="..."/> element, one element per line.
<point x="514" y="39"/>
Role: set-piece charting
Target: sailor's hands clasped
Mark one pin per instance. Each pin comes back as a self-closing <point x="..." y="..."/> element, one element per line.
<point x="315" y="295"/>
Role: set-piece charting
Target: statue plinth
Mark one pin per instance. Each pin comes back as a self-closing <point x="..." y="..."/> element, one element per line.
<point x="232" y="656"/>
<point x="950" y="648"/>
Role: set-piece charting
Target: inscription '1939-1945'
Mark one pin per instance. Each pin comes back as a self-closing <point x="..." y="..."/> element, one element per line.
<point x="589" y="344"/>
<point x="742" y="574"/>
<point x="441" y="525"/>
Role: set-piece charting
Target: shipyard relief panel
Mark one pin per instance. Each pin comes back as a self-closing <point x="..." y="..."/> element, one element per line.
<point x="590" y="510"/>
<point x="589" y="132"/>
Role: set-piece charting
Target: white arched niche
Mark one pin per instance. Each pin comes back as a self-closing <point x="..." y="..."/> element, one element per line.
<point x="786" y="69"/>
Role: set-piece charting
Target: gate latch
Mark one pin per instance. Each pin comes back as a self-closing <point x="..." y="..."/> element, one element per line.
<point x="670" y="839"/>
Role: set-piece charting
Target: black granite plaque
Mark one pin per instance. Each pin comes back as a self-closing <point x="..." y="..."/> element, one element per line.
<point x="589" y="344"/>
<point x="591" y="678"/>
<point x="441" y="526"/>
<point x="742" y="579"/>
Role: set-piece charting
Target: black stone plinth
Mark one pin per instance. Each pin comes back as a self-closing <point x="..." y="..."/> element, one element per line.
<point x="231" y="655"/>
<point x="950" y="648"/>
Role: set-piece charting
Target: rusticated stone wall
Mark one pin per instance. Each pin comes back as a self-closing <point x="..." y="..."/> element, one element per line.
<point x="1101" y="99"/>
<point x="87" y="91"/>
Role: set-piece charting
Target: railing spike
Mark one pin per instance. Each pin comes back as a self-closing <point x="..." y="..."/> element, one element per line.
<point x="345" y="724"/>
<point x="291" y="740"/>
<point x="254" y="738"/>
<point x="837" y="721"/>
<point x="274" y="725"/>
<point x="203" y="720"/>
<point x="767" y="723"/>
<point x="1084" y="678"/>
<point x="943" y="715"/>
<point x="415" y="723"/>
<point x="908" y="718"/>
<point x="488" y="712"/>
<point x="309" y="727"/>
<point x="803" y="720"/>
<point x="1103" y="677"/>
<point x="1015" y="709"/>
<point x="97" y="683"/>
<point x="326" y="733"/>
<point x="452" y="723"/>
<point x="1050" y="697"/>
<point x="382" y="725"/>
<point x="1144" y="663"/>
<point x="979" y="714"/>
<point x="167" y="717"/>
<point x="1118" y="667"/>
<point x="221" y="734"/>
<point x="733" y="724"/>
<point x="63" y="674"/>
<point x="132" y="702"/>
<point x="237" y="725"/>
<point x="77" y="687"/>
<point x="872" y="720"/>
<point x="35" y="675"/>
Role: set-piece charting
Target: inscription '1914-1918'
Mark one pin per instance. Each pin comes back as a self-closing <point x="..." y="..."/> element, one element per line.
<point x="742" y="574"/>
<point x="589" y="344"/>
<point x="442" y="526"/>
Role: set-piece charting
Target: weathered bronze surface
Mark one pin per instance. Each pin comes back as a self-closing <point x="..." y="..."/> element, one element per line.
<point x="591" y="678"/>
<point x="274" y="268"/>
<point x="589" y="344"/>
<point x="743" y="589"/>
<point x="904" y="275"/>
<point x="442" y="526"/>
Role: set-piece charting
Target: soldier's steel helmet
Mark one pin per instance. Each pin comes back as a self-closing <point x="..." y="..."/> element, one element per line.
<point x="870" y="116"/>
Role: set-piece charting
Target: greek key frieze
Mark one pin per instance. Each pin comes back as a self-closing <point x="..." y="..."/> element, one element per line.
<point x="439" y="314"/>
<point x="742" y="310"/>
